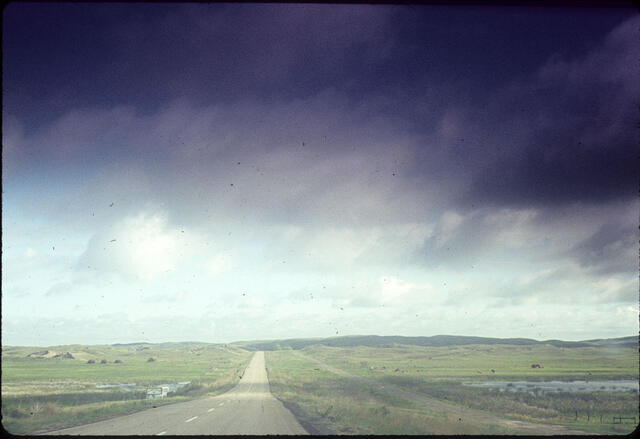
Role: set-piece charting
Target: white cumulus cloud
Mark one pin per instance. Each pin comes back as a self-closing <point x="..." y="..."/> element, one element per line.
<point x="219" y="264"/>
<point x="140" y="246"/>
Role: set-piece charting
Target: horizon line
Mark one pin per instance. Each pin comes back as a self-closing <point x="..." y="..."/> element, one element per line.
<point x="319" y="338"/>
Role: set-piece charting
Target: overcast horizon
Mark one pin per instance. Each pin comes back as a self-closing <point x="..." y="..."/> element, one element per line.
<point x="217" y="173"/>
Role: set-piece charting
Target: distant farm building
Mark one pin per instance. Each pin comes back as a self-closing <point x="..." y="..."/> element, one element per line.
<point x="163" y="390"/>
<point x="157" y="392"/>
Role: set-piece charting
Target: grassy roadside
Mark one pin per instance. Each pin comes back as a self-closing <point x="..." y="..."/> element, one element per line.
<point x="42" y="393"/>
<point x="333" y="404"/>
<point x="439" y="372"/>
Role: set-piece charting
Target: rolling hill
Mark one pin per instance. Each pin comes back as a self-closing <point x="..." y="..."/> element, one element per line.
<point x="436" y="340"/>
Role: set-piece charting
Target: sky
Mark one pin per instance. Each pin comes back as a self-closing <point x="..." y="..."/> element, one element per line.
<point x="215" y="173"/>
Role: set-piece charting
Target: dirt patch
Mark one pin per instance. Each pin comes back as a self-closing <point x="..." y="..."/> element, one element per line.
<point x="51" y="354"/>
<point x="43" y="354"/>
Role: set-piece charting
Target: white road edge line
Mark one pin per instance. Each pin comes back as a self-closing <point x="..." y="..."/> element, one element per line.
<point x="161" y="433"/>
<point x="210" y="410"/>
<point x="191" y="419"/>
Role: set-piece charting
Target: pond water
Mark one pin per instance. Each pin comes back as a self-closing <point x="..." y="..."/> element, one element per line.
<point x="561" y="386"/>
<point x="127" y="387"/>
<point x="171" y="387"/>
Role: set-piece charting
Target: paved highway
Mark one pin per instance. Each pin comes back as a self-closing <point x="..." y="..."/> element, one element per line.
<point x="249" y="408"/>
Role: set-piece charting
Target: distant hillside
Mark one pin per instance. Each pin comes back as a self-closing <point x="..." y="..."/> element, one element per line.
<point x="436" y="340"/>
<point x="122" y="345"/>
<point x="627" y="342"/>
<point x="166" y="344"/>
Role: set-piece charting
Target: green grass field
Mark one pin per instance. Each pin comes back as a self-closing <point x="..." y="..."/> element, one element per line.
<point x="49" y="393"/>
<point x="438" y="372"/>
<point x="42" y="393"/>
<point x="509" y="362"/>
<point x="337" y="405"/>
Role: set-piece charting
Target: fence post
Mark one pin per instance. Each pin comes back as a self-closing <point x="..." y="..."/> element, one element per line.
<point x="576" y="415"/>
<point x="601" y="419"/>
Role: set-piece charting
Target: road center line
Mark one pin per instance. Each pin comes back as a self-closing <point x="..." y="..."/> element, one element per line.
<point x="161" y="433"/>
<point x="211" y="409"/>
<point x="191" y="419"/>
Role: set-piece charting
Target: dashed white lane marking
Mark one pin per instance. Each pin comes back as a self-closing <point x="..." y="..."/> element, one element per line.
<point x="210" y="410"/>
<point x="222" y="403"/>
<point x="191" y="419"/>
<point x="161" y="433"/>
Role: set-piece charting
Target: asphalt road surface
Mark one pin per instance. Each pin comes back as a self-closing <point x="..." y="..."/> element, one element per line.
<point x="249" y="408"/>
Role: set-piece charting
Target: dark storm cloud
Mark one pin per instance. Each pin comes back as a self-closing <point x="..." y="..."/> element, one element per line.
<point x="566" y="134"/>
<point x="565" y="285"/>
<point x="613" y="248"/>
<point x="313" y="114"/>
<point x="64" y="56"/>
<point x="458" y="241"/>
<point x="304" y="161"/>
<point x="594" y="240"/>
<point x="292" y="50"/>
<point x="78" y="55"/>
<point x="562" y="134"/>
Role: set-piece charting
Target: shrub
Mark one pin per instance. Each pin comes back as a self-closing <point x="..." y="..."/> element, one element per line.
<point x="14" y="412"/>
<point x="379" y="411"/>
<point x="50" y="409"/>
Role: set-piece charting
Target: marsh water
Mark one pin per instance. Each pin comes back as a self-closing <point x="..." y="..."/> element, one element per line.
<point x="561" y="386"/>
<point x="171" y="387"/>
